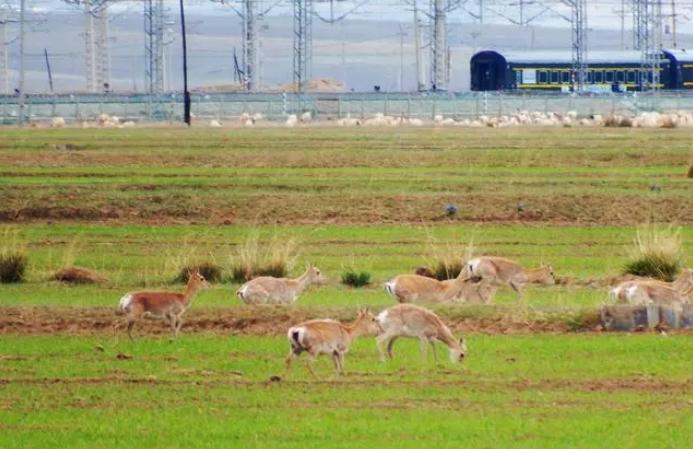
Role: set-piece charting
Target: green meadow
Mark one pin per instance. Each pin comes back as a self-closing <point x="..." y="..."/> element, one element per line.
<point x="137" y="205"/>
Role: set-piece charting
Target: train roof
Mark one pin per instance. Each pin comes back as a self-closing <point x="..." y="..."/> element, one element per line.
<point x="681" y="55"/>
<point x="563" y="57"/>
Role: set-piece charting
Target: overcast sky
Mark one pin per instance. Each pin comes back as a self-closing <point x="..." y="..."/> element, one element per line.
<point x="602" y="13"/>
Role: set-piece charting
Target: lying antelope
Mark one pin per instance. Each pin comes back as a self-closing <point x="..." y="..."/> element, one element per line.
<point x="328" y="337"/>
<point x="644" y="292"/>
<point x="409" y="320"/>
<point x="168" y="306"/>
<point x="271" y="290"/>
<point x="413" y="288"/>
<point x="498" y="271"/>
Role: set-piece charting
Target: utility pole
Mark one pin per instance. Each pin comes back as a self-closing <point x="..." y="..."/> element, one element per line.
<point x="48" y="69"/>
<point x="674" y="44"/>
<point x="186" y="93"/>
<point x="401" y="57"/>
<point x="579" y="53"/>
<point x="22" y="38"/>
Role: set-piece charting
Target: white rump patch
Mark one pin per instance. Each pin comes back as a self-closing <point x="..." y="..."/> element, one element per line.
<point x="381" y="318"/>
<point x="390" y="287"/>
<point x="301" y="334"/>
<point x="242" y="292"/>
<point x="474" y="265"/>
<point x="125" y="302"/>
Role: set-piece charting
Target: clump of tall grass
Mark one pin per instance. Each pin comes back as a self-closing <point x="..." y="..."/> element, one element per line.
<point x="210" y="270"/>
<point x="447" y="260"/>
<point x="656" y="253"/>
<point x="13" y="257"/>
<point x="252" y="258"/>
<point x="356" y="279"/>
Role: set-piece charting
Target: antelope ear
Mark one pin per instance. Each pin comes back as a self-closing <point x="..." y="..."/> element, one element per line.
<point x="461" y="340"/>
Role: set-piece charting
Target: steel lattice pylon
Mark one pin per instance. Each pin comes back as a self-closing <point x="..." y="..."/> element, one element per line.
<point x="647" y="37"/>
<point x="303" y="43"/>
<point x="154" y="15"/>
<point x="4" y="73"/>
<point x="250" y="57"/>
<point x="579" y="42"/>
<point x="439" y="46"/>
<point x="97" y="57"/>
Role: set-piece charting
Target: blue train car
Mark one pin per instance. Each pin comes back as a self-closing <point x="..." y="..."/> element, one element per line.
<point x="607" y="71"/>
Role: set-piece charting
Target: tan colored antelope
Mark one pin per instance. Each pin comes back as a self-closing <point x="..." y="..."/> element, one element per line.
<point x="651" y="291"/>
<point x="498" y="271"/>
<point x="413" y="288"/>
<point x="328" y="337"/>
<point x="643" y="293"/>
<point x="271" y="290"/>
<point x="410" y="320"/>
<point x="167" y="306"/>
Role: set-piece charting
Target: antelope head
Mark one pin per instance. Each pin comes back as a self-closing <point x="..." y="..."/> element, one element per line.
<point x="458" y="351"/>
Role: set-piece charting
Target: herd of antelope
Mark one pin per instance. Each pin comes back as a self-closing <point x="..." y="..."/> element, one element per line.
<point x="477" y="282"/>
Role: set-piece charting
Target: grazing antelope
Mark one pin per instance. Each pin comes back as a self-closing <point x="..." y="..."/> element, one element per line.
<point x="271" y="290"/>
<point x="498" y="271"/>
<point x="328" y="337"/>
<point x="168" y="306"/>
<point x="409" y="320"/>
<point x="413" y="288"/>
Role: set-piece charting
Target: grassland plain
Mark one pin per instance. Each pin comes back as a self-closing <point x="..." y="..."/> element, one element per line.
<point x="136" y="204"/>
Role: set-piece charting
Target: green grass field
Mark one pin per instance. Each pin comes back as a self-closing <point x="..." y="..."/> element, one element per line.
<point x="136" y="204"/>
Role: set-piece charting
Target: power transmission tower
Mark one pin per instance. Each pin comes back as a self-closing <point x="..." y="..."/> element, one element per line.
<point x="440" y="69"/>
<point x="647" y="37"/>
<point x="250" y="58"/>
<point x="303" y="43"/>
<point x="97" y="56"/>
<point x="154" y="21"/>
<point x="4" y="44"/>
<point x="578" y="25"/>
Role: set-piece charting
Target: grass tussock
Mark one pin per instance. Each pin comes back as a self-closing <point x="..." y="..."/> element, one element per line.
<point x="356" y="279"/>
<point x="13" y="258"/>
<point x="657" y="253"/>
<point x="447" y="259"/>
<point x="210" y="270"/>
<point x="78" y="275"/>
<point x="253" y="258"/>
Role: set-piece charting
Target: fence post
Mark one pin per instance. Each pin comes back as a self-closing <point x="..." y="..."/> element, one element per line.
<point x="363" y="116"/>
<point x="77" y="116"/>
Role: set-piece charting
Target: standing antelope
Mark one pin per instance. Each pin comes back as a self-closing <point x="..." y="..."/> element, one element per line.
<point x="409" y="320"/>
<point x="498" y="271"/>
<point x="168" y="306"/>
<point x="413" y="288"/>
<point x="328" y="337"/>
<point x="271" y="290"/>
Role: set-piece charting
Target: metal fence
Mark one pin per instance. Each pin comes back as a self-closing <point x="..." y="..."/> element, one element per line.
<point x="230" y="106"/>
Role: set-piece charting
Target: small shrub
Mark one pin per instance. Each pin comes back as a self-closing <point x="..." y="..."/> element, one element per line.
<point x="690" y="171"/>
<point x="12" y="266"/>
<point x="78" y="275"/>
<point x="13" y="257"/>
<point x="656" y="253"/>
<point x="354" y="279"/>
<point x="447" y="270"/>
<point x="210" y="271"/>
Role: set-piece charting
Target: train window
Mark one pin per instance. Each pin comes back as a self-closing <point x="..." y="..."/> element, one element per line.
<point x="621" y="76"/>
<point x="598" y="77"/>
<point x="565" y="77"/>
<point x="518" y="76"/>
<point x="554" y="77"/>
<point x="543" y="76"/>
<point x="609" y="76"/>
<point x="631" y="76"/>
<point x="590" y="77"/>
